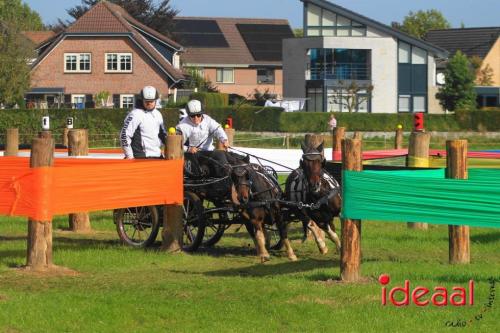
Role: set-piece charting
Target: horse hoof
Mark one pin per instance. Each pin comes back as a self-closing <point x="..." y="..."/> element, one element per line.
<point x="323" y="250"/>
<point x="263" y="259"/>
<point x="293" y="258"/>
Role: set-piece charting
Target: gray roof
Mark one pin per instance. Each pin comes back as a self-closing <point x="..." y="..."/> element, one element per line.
<point x="440" y="52"/>
<point x="471" y="41"/>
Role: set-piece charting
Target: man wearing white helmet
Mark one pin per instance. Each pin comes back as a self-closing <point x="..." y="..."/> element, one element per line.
<point x="198" y="131"/>
<point x="143" y="131"/>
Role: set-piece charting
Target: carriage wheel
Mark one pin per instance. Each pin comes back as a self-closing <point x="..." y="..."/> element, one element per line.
<point x="214" y="228"/>
<point x="193" y="222"/>
<point x="272" y="233"/>
<point x="137" y="226"/>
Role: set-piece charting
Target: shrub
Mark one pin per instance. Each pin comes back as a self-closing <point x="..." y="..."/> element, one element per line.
<point x="211" y="100"/>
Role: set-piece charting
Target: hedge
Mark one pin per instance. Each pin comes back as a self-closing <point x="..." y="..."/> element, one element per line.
<point x="211" y="100"/>
<point x="250" y="118"/>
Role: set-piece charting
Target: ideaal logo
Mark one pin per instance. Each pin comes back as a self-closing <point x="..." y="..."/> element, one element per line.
<point x="441" y="296"/>
<point x="458" y="296"/>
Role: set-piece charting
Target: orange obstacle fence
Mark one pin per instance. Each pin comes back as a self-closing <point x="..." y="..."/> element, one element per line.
<point x="75" y="185"/>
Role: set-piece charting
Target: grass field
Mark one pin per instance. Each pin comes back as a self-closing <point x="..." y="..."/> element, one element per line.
<point x="226" y="289"/>
<point x="476" y="142"/>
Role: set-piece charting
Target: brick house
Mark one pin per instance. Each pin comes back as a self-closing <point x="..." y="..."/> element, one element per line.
<point x="480" y="42"/>
<point x="237" y="55"/>
<point x="106" y="50"/>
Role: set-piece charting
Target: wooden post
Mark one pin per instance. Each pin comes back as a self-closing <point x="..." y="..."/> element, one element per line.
<point x="418" y="156"/>
<point x="287" y="141"/>
<point x="230" y="132"/>
<point x="172" y="215"/>
<point x="78" y="145"/>
<point x="398" y="139"/>
<point x="456" y="168"/>
<point x="338" y="136"/>
<point x="39" y="252"/>
<point x="65" y="141"/>
<point x="350" y="254"/>
<point x="11" y="142"/>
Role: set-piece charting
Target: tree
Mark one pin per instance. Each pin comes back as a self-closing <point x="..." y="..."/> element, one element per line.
<point x="15" y="53"/>
<point x="298" y="32"/>
<point x="195" y="79"/>
<point x="351" y="94"/>
<point x="156" y="16"/>
<point x="22" y="15"/>
<point x="458" y="91"/>
<point x="419" y="23"/>
<point x="483" y="75"/>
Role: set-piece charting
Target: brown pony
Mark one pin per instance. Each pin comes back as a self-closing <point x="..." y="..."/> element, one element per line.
<point x="312" y="185"/>
<point x="256" y="194"/>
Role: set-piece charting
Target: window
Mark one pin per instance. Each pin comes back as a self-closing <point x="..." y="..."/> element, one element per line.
<point x="419" y="104"/>
<point x="418" y="56"/>
<point x="265" y="76"/>
<point x="404" y="53"/>
<point x="126" y="101"/>
<point x="225" y="75"/>
<point x="119" y="62"/>
<point x="404" y="103"/>
<point x="78" y="101"/>
<point x="77" y="62"/>
<point x="322" y="22"/>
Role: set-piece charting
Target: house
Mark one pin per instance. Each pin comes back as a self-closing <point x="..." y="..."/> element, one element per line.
<point x="105" y="50"/>
<point x="237" y="55"/>
<point x="37" y="37"/>
<point x="342" y="47"/>
<point x="480" y="42"/>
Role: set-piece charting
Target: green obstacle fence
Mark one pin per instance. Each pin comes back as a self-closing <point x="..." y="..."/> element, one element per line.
<point x="423" y="196"/>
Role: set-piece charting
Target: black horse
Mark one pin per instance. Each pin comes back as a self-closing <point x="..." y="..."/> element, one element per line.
<point x="312" y="185"/>
<point x="256" y="193"/>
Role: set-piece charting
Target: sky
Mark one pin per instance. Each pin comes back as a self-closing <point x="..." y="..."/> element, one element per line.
<point x="477" y="13"/>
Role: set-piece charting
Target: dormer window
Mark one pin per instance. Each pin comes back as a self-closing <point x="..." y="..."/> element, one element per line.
<point x="77" y="62"/>
<point x="118" y="63"/>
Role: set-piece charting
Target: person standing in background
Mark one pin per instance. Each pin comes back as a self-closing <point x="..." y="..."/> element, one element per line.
<point x="332" y="122"/>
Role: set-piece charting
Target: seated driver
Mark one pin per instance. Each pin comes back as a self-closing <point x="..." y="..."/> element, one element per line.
<point x="198" y="131"/>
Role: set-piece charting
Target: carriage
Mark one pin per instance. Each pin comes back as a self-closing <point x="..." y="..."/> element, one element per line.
<point x="208" y="212"/>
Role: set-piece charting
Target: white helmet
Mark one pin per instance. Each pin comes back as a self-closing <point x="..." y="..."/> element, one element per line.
<point x="182" y="114"/>
<point x="194" y="107"/>
<point x="149" y="93"/>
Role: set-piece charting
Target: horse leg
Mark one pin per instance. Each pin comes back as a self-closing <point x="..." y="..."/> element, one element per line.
<point x="320" y="241"/>
<point x="283" y="228"/>
<point x="258" y="222"/>
<point x="330" y="231"/>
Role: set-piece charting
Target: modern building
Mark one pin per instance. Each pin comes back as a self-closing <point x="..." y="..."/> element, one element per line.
<point x="483" y="43"/>
<point x="237" y="55"/>
<point x="104" y="51"/>
<point x="341" y="48"/>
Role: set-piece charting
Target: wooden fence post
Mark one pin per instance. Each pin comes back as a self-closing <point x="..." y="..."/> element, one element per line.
<point x="338" y="136"/>
<point x="39" y="252"/>
<point x="230" y="132"/>
<point x="65" y="139"/>
<point x="418" y="156"/>
<point x="350" y="254"/>
<point x="11" y="142"/>
<point x="456" y="168"/>
<point x="398" y="139"/>
<point x="172" y="232"/>
<point x="78" y="145"/>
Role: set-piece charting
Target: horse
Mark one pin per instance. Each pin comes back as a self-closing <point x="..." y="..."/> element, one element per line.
<point x="256" y="194"/>
<point x="312" y="185"/>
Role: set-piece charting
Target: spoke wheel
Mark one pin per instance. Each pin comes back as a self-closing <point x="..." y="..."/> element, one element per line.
<point x="214" y="229"/>
<point x="137" y="226"/>
<point x="192" y="221"/>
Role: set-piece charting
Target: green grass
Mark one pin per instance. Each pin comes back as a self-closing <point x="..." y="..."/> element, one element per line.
<point x="253" y="140"/>
<point x="226" y="289"/>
